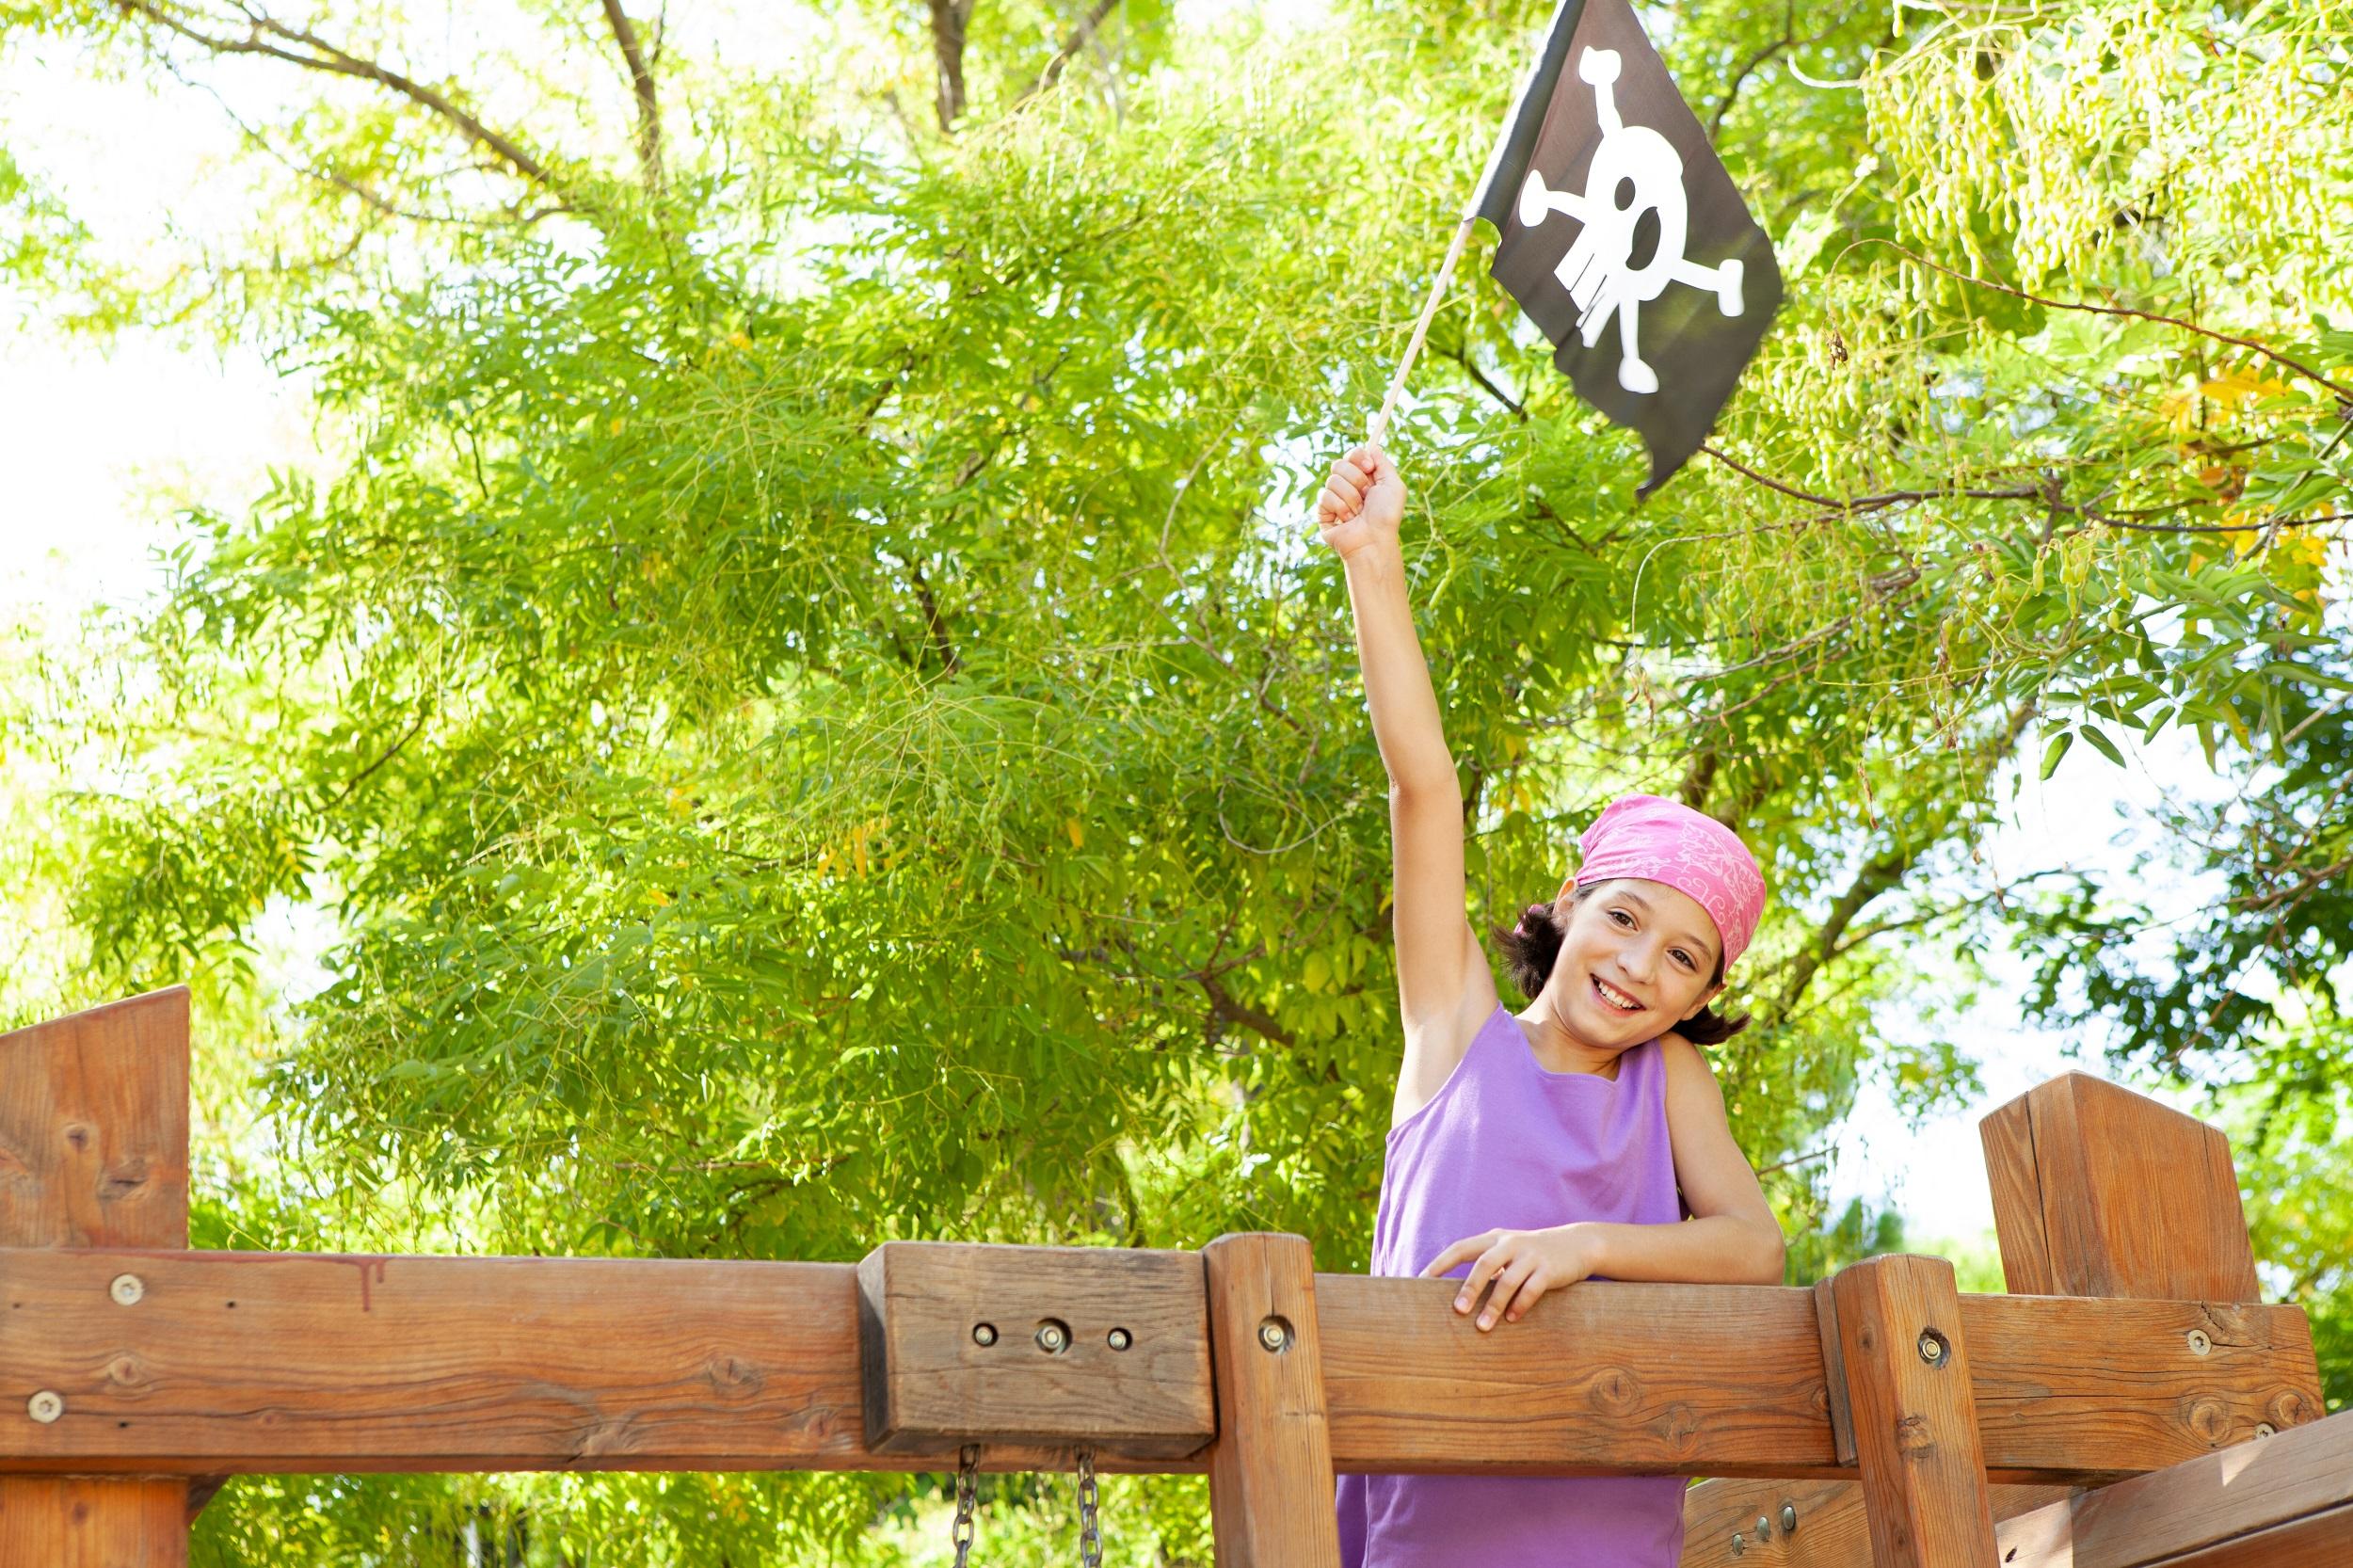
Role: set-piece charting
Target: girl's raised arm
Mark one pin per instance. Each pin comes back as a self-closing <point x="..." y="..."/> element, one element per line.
<point x="1445" y="989"/>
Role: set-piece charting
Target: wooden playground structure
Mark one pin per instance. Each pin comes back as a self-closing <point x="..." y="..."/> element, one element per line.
<point x="2131" y="1402"/>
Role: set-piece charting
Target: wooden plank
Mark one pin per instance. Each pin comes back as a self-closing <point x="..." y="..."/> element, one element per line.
<point x="93" y="1153"/>
<point x="1907" y="1358"/>
<point x="1103" y="1345"/>
<point x="1270" y="1477"/>
<point x="1803" y="1523"/>
<point x="360" y="1364"/>
<point x="2101" y="1192"/>
<point x="2292" y="1492"/>
<point x="1833" y="1374"/>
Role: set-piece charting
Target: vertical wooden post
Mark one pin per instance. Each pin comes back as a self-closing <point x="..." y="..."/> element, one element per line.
<point x="2101" y="1192"/>
<point x="94" y="1153"/>
<point x="1271" y="1482"/>
<point x="1915" y="1417"/>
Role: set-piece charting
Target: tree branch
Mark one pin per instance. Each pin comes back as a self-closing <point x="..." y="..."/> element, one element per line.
<point x="316" y="54"/>
<point x="1070" y="47"/>
<point x="2268" y="352"/>
<point x="641" y="82"/>
<point x="950" y="20"/>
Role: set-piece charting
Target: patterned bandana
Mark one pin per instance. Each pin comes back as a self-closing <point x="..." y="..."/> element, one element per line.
<point x="1659" y="841"/>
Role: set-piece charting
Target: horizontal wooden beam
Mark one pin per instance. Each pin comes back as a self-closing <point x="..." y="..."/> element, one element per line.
<point x="2274" y="1502"/>
<point x="250" y="1362"/>
<point x="1770" y="1523"/>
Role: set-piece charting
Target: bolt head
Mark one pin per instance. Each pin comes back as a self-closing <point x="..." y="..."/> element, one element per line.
<point x="983" y="1333"/>
<point x="45" y="1406"/>
<point x="1270" y="1334"/>
<point x="1119" y="1339"/>
<point x="1051" y="1338"/>
<point x="1932" y="1347"/>
<point x="2264" y="1429"/>
<point x="1788" y="1518"/>
<point x="1739" y="1544"/>
<point x="2199" y="1342"/>
<point x="127" y="1290"/>
<point x="1764" y="1527"/>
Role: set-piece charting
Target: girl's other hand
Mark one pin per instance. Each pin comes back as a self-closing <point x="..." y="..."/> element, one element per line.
<point x="1362" y="502"/>
<point x="1522" y="1265"/>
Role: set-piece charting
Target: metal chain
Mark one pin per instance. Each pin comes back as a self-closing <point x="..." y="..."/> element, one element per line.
<point x="1090" y="1533"/>
<point x="967" y="1494"/>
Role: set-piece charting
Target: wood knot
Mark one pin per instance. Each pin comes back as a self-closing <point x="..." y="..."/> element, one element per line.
<point x="126" y="1178"/>
<point x="734" y="1377"/>
<point x="128" y="1371"/>
<point x="78" y="1134"/>
<point x="1614" y="1391"/>
<point x="1913" y="1437"/>
<point x="2209" y="1418"/>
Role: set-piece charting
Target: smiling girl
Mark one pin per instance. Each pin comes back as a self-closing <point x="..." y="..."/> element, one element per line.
<point x="1570" y="1140"/>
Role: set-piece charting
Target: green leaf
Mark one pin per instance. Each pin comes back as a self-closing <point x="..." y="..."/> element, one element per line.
<point x="2055" y="749"/>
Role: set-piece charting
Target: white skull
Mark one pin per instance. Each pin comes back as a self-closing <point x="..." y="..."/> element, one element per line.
<point x="1597" y="270"/>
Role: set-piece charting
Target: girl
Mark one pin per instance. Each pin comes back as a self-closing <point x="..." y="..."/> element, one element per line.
<point x="1564" y="1142"/>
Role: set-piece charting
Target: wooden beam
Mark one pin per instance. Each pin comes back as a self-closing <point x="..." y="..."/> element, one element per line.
<point x="1916" y="1424"/>
<point x="2273" y="1503"/>
<point x="1101" y="1347"/>
<point x="93" y="1154"/>
<point x="360" y="1364"/>
<point x="1803" y="1523"/>
<point x="1271" y="1476"/>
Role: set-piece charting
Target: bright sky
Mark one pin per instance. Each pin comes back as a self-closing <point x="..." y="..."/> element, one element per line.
<point x="100" y="448"/>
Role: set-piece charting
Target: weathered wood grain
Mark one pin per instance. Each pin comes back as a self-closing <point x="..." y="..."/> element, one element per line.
<point x="2257" y="1503"/>
<point x="363" y="1364"/>
<point x="1270" y="1477"/>
<point x="1916" y="1424"/>
<point x="94" y="1153"/>
<point x="1130" y="1375"/>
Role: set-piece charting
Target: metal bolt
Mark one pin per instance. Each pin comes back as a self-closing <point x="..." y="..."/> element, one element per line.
<point x="44" y="1407"/>
<point x="2264" y="1429"/>
<point x="1764" y="1527"/>
<point x="1932" y="1347"/>
<point x="1119" y="1339"/>
<point x="2198" y="1343"/>
<point x="1788" y="1518"/>
<point x="1739" y="1544"/>
<point x="1272" y="1334"/>
<point x="983" y="1333"/>
<point x="1052" y="1337"/>
<point x="127" y="1290"/>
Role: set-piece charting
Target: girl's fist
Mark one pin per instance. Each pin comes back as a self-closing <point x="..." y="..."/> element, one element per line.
<point x="1362" y="502"/>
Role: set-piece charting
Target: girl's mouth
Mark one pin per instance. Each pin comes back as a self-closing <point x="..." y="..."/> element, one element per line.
<point x="1614" y="999"/>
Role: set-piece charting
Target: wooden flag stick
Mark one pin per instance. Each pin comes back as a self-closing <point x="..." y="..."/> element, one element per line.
<point x="1380" y="427"/>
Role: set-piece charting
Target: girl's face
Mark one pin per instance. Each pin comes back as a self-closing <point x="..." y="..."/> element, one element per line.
<point x="1636" y="959"/>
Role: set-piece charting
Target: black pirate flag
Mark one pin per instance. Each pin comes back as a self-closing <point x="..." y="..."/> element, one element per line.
<point x="1623" y="238"/>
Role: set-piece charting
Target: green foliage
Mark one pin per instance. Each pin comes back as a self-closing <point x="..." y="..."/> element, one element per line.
<point x="802" y="695"/>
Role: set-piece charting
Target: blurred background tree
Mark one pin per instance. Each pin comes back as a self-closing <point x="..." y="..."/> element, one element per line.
<point x="800" y="700"/>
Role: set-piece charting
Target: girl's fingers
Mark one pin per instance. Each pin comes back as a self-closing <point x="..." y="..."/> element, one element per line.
<point x="1339" y="508"/>
<point x="1347" y="473"/>
<point x="1508" y="1283"/>
<point x="1530" y="1290"/>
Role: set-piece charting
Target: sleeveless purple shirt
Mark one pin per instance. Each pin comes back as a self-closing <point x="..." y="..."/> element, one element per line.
<point x="1508" y="1145"/>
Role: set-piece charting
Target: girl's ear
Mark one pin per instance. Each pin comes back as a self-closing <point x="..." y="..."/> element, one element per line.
<point x="1568" y="889"/>
<point x="1700" y="1007"/>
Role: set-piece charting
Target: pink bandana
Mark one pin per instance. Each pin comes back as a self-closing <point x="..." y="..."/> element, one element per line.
<point x="1658" y="840"/>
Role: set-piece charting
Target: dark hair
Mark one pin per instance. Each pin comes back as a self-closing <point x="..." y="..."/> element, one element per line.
<point x="1531" y="947"/>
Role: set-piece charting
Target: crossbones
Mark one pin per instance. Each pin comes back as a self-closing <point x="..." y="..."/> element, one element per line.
<point x="1595" y="271"/>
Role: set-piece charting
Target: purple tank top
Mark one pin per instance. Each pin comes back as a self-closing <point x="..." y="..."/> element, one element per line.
<point x="1506" y="1144"/>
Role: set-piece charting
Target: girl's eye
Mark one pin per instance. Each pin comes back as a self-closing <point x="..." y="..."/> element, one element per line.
<point x="1621" y="917"/>
<point x="1683" y="958"/>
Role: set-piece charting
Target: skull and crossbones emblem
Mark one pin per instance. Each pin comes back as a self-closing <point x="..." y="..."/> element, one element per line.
<point x="1597" y="269"/>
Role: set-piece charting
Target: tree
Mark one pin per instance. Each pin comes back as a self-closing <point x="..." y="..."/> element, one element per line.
<point x="801" y="682"/>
